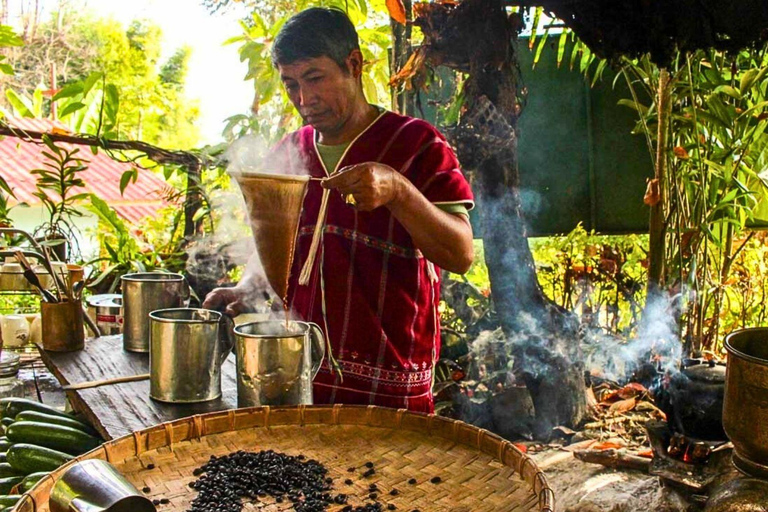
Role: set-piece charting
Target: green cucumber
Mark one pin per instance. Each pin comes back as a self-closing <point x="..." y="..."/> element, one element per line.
<point x="3" y="457"/>
<point x="8" y="483"/>
<point x="28" y="458"/>
<point x="55" y="420"/>
<point x="4" y="444"/>
<point x="11" y="407"/>
<point x="9" y="500"/>
<point x="6" y="470"/>
<point x="57" y="437"/>
<point x="31" y="479"/>
<point x="7" y="422"/>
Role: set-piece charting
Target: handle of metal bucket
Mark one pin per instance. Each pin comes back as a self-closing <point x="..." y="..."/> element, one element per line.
<point x="186" y="295"/>
<point x="226" y="336"/>
<point x="318" y="346"/>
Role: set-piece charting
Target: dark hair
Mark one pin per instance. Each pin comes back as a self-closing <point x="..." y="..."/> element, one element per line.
<point x="315" y="32"/>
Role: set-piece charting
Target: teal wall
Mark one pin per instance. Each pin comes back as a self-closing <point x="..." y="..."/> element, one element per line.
<point x="578" y="160"/>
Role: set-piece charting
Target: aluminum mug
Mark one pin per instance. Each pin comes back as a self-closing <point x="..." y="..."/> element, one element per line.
<point x="187" y="348"/>
<point x="277" y="361"/>
<point x="95" y="485"/>
<point x="143" y="293"/>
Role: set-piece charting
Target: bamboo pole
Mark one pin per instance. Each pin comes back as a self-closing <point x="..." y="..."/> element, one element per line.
<point x="657" y="231"/>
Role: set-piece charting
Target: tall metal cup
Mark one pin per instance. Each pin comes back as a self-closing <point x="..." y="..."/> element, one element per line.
<point x="145" y="292"/>
<point x="95" y="485"/>
<point x="276" y="362"/>
<point x="187" y="348"/>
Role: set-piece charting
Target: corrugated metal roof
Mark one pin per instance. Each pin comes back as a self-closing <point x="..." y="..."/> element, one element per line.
<point x="102" y="177"/>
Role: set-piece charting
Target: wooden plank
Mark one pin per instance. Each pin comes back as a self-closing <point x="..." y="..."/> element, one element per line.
<point x="119" y="409"/>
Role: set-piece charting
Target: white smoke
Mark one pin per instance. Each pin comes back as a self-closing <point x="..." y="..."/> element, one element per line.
<point x="252" y="153"/>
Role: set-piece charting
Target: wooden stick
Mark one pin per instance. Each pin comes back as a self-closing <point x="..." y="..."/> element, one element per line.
<point x="611" y="458"/>
<point x="105" y="382"/>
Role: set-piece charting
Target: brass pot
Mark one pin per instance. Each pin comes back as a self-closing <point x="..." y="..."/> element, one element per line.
<point x="745" y="408"/>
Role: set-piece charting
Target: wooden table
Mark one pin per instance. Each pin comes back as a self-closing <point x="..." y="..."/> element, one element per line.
<point x="119" y="409"/>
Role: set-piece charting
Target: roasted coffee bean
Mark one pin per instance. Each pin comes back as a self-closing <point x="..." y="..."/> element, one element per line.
<point x="394" y="492"/>
<point x="373" y="488"/>
<point x="351" y="470"/>
<point x="412" y="481"/>
<point x="225" y="481"/>
<point x="369" y="464"/>
<point x="340" y="499"/>
<point x="348" y="481"/>
<point x="369" y="472"/>
<point x="436" y="480"/>
<point x="145" y="489"/>
<point x="391" y="506"/>
<point x="373" y="496"/>
<point x="155" y="502"/>
<point x="164" y="501"/>
<point x="150" y="466"/>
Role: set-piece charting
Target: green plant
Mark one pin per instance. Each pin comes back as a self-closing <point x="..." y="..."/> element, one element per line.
<point x="126" y="250"/>
<point x="56" y="187"/>
<point x="715" y="185"/>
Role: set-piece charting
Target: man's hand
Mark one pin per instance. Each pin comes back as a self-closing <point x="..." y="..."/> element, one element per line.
<point x="232" y="301"/>
<point x="370" y="184"/>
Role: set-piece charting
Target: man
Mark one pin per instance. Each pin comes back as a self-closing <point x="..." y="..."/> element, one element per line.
<point x="397" y="210"/>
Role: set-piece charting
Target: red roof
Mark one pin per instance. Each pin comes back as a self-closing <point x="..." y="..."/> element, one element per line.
<point x="102" y="177"/>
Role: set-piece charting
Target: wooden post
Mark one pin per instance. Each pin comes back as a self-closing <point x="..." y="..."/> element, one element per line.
<point x="401" y="50"/>
<point x="657" y="231"/>
<point x="54" y="114"/>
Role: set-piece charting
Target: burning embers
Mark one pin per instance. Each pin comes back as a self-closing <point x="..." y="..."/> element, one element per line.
<point x="689" y="450"/>
<point x="687" y="464"/>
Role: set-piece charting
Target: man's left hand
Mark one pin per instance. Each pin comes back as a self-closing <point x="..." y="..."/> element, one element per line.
<point x="370" y="184"/>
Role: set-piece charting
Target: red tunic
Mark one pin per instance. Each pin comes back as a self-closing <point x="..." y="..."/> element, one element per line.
<point x="371" y="290"/>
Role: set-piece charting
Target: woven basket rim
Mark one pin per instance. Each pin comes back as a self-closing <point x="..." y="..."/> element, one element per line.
<point x="201" y="425"/>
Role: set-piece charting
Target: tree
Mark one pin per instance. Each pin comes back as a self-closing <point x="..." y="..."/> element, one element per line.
<point x="69" y="47"/>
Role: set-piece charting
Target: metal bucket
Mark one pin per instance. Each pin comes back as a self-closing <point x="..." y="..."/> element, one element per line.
<point x="745" y="408"/>
<point x="107" y="309"/>
<point x="144" y="293"/>
<point x="96" y="486"/>
<point x="187" y="349"/>
<point x="276" y="362"/>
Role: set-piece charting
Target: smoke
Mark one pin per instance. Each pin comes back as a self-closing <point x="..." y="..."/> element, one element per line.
<point x="656" y="343"/>
<point x="252" y="153"/>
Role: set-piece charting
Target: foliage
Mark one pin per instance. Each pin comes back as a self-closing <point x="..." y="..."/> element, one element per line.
<point x="270" y="100"/>
<point x="126" y="250"/>
<point x="57" y="185"/>
<point x="114" y="65"/>
<point x="600" y="278"/>
<point x="716" y="160"/>
<point x="8" y="38"/>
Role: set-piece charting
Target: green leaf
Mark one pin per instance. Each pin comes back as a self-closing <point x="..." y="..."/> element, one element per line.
<point x="103" y="275"/>
<point x="561" y="44"/>
<point x="730" y="91"/>
<point x="128" y="177"/>
<point x="637" y="107"/>
<point x="7" y="69"/>
<point x="72" y="107"/>
<point x="68" y="91"/>
<point x="90" y="81"/>
<point x="534" y="28"/>
<point x="747" y="79"/>
<point x="21" y="105"/>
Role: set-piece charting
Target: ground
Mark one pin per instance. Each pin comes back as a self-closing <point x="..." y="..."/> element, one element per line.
<point x="583" y="487"/>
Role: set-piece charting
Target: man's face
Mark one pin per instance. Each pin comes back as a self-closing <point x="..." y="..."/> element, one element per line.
<point x="322" y="92"/>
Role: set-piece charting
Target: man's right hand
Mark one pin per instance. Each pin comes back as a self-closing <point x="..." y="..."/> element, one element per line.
<point x="232" y="301"/>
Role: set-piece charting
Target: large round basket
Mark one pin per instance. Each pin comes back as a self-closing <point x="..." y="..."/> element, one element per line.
<point x="478" y="470"/>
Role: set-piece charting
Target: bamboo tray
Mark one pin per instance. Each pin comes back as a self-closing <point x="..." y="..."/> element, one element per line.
<point x="480" y="471"/>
